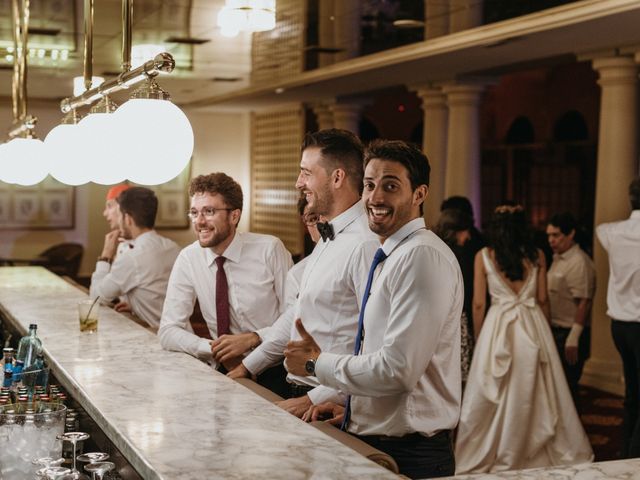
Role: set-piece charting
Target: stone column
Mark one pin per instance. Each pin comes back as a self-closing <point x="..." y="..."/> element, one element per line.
<point x="347" y="115"/>
<point x="347" y="29"/>
<point x="462" y="176"/>
<point x="434" y="144"/>
<point x="323" y="114"/>
<point x="326" y="21"/>
<point x="464" y="14"/>
<point x="436" y="18"/>
<point x="617" y="165"/>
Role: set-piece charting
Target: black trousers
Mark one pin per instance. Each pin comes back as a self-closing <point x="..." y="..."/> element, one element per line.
<point x="626" y="336"/>
<point x="573" y="372"/>
<point x="418" y="456"/>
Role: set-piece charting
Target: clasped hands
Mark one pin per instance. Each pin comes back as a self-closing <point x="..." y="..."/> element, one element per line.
<point x="229" y="349"/>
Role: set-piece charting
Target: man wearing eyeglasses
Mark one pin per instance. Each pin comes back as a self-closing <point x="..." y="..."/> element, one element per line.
<point x="237" y="278"/>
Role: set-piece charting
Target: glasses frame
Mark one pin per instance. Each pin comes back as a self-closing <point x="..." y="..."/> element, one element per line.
<point x="193" y="216"/>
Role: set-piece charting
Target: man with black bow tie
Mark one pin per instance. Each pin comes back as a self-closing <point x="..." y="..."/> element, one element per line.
<point x="334" y="279"/>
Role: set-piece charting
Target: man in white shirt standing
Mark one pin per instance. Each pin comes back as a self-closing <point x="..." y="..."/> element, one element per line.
<point x="139" y="274"/>
<point x="403" y="377"/>
<point x="237" y="278"/>
<point x="334" y="278"/>
<point x="621" y="240"/>
<point x="111" y="213"/>
<point x="571" y="283"/>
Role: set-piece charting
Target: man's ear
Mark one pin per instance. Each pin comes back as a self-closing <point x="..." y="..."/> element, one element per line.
<point x="338" y="177"/>
<point x="235" y="216"/>
<point x="420" y="194"/>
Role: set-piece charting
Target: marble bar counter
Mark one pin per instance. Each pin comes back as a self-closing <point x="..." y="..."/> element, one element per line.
<point x="614" y="470"/>
<point x="169" y="414"/>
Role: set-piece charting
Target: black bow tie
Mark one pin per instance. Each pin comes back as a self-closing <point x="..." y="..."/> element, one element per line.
<point x="326" y="230"/>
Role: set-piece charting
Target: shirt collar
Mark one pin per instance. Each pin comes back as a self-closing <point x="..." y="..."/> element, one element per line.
<point x="569" y="252"/>
<point x="406" y="230"/>
<point x="635" y="214"/>
<point x="231" y="253"/>
<point x="347" y="217"/>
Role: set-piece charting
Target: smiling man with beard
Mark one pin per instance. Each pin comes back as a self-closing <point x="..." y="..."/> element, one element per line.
<point x="334" y="278"/>
<point x="403" y="377"/>
<point x="237" y="278"/>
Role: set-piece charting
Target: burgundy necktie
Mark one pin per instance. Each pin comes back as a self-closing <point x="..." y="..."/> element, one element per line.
<point x="222" y="298"/>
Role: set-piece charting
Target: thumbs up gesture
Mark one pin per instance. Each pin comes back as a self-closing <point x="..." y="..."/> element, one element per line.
<point x="299" y="352"/>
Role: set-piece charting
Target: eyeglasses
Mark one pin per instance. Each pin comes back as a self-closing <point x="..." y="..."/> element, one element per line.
<point x="208" y="212"/>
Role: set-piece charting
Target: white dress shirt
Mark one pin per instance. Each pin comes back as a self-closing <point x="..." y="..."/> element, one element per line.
<point x="329" y="300"/>
<point x="621" y="240"/>
<point x="256" y="269"/>
<point x="139" y="274"/>
<point x="571" y="275"/>
<point x="407" y="378"/>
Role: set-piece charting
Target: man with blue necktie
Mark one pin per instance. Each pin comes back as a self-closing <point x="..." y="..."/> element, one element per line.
<point x="403" y="378"/>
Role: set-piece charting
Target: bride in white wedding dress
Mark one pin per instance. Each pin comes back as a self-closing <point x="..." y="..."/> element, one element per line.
<point x="517" y="410"/>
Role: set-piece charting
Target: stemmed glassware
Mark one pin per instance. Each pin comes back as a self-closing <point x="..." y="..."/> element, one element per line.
<point x="53" y="473"/>
<point x="74" y="438"/>
<point x="92" y="457"/>
<point x="98" y="469"/>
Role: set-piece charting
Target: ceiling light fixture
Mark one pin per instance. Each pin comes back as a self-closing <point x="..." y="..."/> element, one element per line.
<point x="22" y="159"/>
<point x="246" y="16"/>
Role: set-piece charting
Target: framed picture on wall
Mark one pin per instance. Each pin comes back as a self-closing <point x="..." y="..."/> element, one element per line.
<point x="47" y="205"/>
<point x="173" y="201"/>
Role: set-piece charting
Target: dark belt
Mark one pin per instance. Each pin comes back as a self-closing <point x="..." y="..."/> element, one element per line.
<point x="409" y="436"/>
<point x="296" y="390"/>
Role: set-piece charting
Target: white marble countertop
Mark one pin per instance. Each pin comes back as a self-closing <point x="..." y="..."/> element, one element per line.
<point x="169" y="414"/>
<point x="614" y="470"/>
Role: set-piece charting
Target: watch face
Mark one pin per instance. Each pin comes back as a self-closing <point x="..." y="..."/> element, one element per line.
<point x="310" y="367"/>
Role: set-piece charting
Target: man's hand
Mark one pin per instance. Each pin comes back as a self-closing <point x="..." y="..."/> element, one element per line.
<point x="239" y="372"/>
<point x="111" y="241"/>
<point x="298" y="352"/>
<point x="571" y="354"/>
<point x="296" y="406"/>
<point x="123" y="307"/>
<point x="231" y="346"/>
<point x="328" y="412"/>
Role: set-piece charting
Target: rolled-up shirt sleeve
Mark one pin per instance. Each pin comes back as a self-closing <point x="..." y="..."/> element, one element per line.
<point x="174" y="332"/>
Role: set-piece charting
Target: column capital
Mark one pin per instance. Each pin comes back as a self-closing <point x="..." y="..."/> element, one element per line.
<point x="430" y="94"/>
<point x="459" y="93"/>
<point x="616" y="70"/>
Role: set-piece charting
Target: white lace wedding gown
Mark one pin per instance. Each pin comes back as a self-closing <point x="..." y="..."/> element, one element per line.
<point x="517" y="411"/>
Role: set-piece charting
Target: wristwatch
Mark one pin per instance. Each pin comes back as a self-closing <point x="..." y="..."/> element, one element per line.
<point x="310" y="367"/>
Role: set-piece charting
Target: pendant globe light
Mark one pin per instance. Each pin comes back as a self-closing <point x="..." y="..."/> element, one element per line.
<point x="247" y="16"/>
<point x="66" y="164"/>
<point x="156" y="135"/>
<point x="24" y="161"/>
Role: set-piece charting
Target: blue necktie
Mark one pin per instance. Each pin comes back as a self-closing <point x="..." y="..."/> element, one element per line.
<point x="379" y="257"/>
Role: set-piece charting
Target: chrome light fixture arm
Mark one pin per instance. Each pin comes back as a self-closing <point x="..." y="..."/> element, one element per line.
<point x="163" y="62"/>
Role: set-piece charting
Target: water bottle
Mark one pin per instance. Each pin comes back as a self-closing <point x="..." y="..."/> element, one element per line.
<point x="7" y="368"/>
<point x="29" y="348"/>
<point x="42" y="377"/>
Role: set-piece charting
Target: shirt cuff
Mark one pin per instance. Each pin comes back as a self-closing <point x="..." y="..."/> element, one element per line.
<point x="204" y="349"/>
<point x="256" y="362"/>
<point x="326" y="367"/>
<point x="322" y="394"/>
<point x="103" y="267"/>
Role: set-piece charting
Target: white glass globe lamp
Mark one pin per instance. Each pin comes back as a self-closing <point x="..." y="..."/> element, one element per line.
<point x="67" y="164"/>
<point x="26" y="161"/>
<point x="156" y="136"/>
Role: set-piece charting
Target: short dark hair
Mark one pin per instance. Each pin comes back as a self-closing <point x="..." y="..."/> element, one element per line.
<point x="405" y="153"/>
<point x="634" y="193"/>
<point x="339" y="149"/>
<point x="457" y="202"/>
<point x="141" y="204"/>
<point x="452" y="221"/>
<point x="218" y="184"/>
<point x="565" y="221"/>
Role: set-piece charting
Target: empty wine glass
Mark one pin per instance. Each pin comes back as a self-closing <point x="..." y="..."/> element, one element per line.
<point x="53" y="473"/>
<point x="98" y="469"/>
<point x="74" y="438"/>
<point x="93" y="457"/>
<point x="48" y="461"/>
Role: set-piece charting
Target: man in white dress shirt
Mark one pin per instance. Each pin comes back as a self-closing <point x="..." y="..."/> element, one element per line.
<point x="237" y="278"/>
<point x="138" y="274"/>
<point x="111" y="213"/>
<point x="571" y="283"/>
<point x="333" y="281"/>
<point x="621" y="240"/>
<point x="404" y="376"/>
